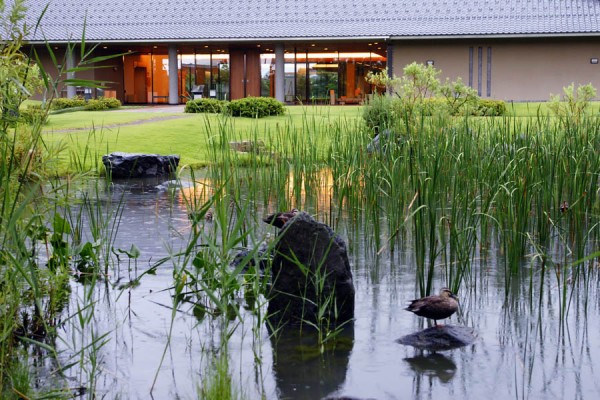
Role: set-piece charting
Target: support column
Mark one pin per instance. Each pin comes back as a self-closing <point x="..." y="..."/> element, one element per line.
<point x="71" y="90"/>
<point x="390" y="59"/>
<point x="280" y="72"/>
<point x="173" y="75"/>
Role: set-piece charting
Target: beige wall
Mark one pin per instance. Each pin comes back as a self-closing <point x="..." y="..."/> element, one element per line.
<point x="520" y="70"/>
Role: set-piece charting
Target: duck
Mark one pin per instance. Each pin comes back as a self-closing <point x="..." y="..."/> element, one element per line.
<point x="278" y="220"/>
<point x="437" y="307"/>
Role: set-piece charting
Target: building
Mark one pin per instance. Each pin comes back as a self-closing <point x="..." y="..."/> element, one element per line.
<point x="311" y="50"/>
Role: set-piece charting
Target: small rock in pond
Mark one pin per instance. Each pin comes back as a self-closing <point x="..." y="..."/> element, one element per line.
<point x="440" y="338"/>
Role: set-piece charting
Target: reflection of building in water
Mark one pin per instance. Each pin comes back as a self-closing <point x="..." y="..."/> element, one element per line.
<point x="194" y="194"/>
<point x="304" y="190"/>
<point x="310" y="189"/>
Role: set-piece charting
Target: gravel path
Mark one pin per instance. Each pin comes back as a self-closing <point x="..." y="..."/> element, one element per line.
<point x="153" y="109"/>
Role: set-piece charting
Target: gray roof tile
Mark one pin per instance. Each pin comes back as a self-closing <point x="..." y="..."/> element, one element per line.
<point x="132" y="20"/>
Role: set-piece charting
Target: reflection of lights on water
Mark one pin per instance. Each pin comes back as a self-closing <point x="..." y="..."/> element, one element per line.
<point x="302" y="191"/>
<point x="191" y="197"/>
<point x="324" y="182"/>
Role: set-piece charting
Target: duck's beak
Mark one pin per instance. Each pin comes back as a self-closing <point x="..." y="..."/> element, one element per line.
<point x="455" y="297"/>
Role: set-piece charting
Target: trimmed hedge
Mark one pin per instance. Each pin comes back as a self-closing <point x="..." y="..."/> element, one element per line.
<point x="102" y="103"/>
<point x="62" y="103"/>
<point x="212" y="106"/>
<point x="491" y="108"/>
<point x="255" y="107"/>
<point x="252" y="107"/>
<point x="32" y="114"/>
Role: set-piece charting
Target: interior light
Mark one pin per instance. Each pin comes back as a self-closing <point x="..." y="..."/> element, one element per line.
<point x="325" y="66"/>
<point x="593" y="60"/>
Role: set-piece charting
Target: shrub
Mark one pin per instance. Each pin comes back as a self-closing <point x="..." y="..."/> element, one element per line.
<point x="432" y="105"/>
<point x="205" y="106"/>
<point x="491" y="108"/>
<point x="32" y="114"/>
<point x="102" y="103"/>
<point x="255" y="107"/>
<point x="460" y="99"/>
<point x="26" y="157"/>
<point x="62" y="103"/>
<point x="574" y="102"/>
<point x="379" y="114"/>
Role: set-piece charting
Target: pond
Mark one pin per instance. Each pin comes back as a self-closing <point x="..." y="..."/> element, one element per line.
<point x="537" y="332"/>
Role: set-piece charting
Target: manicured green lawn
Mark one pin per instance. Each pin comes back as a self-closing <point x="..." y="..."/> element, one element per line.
<point x="531" y="109"/>
<point x="140" y="131"/>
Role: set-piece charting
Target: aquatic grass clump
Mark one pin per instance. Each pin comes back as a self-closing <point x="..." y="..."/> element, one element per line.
<point x="448" y="187"/>
<point x="217" y="383"/>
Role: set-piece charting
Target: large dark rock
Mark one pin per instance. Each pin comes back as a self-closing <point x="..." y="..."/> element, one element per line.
<point x="311" y="276"/>
<point x="135" y="165"/>
<point x="440" y="338"/>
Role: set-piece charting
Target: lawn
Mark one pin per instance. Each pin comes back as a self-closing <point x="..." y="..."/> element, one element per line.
<point x="141" y="131"/>
<point x="144" y="130"/>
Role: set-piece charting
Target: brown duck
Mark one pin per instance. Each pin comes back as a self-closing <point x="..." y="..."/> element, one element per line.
<point x="280" y="219"/>
<point x="435" y="307"/>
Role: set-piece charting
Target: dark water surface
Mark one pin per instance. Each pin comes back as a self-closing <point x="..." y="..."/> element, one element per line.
<point x="523" y="349"/>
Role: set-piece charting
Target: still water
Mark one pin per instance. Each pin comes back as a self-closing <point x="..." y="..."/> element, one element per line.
<point x="524" y="348"/>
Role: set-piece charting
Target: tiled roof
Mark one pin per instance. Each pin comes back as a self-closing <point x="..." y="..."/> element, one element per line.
<point x="148" y="20"/>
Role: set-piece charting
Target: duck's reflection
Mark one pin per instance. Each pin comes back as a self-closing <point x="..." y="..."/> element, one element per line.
<point x="434" y="365"/>
<point x="305" y="370"/>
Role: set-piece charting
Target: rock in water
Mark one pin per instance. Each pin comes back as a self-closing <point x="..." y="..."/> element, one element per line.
<point x="440" y="338"/>
<point x="311" y="276"/>
<point x="135" y="165"/>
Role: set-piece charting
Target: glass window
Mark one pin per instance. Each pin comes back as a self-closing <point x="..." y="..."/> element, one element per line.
<point x="290" y="78"/>
<point x="219" y="86"/>
<point x="301" y="72"/>
<point x="267" y="75"/>
<point x="137" y="78"/>
<point x="323" y="74"/>
<point x="187" y="76"/>
<point x="203" y="76"/>
<point x="160" y="78"/>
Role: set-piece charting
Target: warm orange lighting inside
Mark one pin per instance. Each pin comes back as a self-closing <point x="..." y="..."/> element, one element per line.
<point x="332" y="55"/>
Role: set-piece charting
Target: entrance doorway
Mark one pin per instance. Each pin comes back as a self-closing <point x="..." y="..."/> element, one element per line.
<point x="139" y="85"/>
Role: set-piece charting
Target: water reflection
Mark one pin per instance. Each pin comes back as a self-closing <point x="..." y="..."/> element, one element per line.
<point x="434" y="365"/>
<point x="302" y="371"/>
<point x="536" y="327"/>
